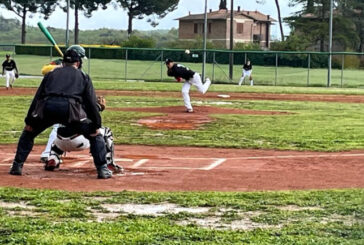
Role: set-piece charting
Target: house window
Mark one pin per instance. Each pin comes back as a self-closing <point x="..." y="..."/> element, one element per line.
<point x="210" y="27"/>
<point x="240" y="28"/>
<point x="195" y="28"/>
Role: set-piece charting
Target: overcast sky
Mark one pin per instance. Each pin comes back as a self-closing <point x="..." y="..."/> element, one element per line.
<point x="117" y="18"/>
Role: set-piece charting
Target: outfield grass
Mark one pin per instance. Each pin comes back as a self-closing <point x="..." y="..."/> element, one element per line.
<point x="156" y="71"/>
<point x="317" y="126"/>
<point x="175" y="86"/>
<point x="289" y="217"/>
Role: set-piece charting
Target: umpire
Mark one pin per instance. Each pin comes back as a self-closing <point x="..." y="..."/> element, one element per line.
<point x="66" y="95"/>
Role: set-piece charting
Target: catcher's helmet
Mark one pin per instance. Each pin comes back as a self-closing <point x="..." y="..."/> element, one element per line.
<point x="79" y="50"/>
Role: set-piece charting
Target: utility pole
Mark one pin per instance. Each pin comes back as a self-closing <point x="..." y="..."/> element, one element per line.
<point x="231" y="56"/>
<point x="330" y="44"/>
<point x="67" y="24"/>
<point x="204" y="43"/>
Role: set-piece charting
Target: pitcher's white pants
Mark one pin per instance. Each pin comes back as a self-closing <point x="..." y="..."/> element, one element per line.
<point x="196" y="81"/>
<point x="10" y="77"/>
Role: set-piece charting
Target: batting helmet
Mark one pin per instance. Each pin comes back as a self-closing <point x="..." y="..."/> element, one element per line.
<point x="79" y="50"/>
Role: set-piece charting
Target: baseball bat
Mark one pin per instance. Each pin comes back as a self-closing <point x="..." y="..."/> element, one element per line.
<point x="49" y="37"/>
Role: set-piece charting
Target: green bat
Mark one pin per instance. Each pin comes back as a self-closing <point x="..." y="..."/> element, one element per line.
<point x="49" y="37"/>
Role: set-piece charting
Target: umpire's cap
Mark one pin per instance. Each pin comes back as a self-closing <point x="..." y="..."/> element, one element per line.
<point x="78" y="49"/>
<point x="71" y="56"/>
<point x="168" y="61"/>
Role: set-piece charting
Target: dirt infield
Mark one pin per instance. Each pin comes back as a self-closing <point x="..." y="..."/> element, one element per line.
<point x="210" y="95"/>
<point x="176" y="117"/>
<point x="162" y="168"/>
<point x="193" y="169"/>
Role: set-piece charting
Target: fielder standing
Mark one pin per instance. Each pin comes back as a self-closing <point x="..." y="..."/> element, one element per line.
<point x="191" y="78"/>
<point x="247" y="72"/>
<point x="10" y="71"/>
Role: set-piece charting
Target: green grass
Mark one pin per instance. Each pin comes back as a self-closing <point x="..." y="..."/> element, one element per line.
<point x="156" y="71"/>
<point x="176" y="87"/>
<point x="66" y="218"/>
<point x="316" y="126"/>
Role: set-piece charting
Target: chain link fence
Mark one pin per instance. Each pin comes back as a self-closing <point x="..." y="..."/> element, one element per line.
<point x="269" y="67"/>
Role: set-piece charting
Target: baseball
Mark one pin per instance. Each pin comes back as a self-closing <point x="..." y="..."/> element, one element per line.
<point x="187" y="51"/>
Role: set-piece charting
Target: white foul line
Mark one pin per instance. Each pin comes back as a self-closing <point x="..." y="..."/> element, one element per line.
<point x="81" y="163"/>
<point x="140" y="163"/>
<point x="214" y="164"/>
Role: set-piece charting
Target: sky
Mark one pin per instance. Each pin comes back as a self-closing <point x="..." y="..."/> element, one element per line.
<point x="117" y="18"/>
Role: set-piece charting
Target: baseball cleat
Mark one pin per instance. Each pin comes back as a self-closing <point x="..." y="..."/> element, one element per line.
<point x="16" y="168"/>
<point x="44" y="159"/>
<point x="51" y="165"/>
<point x="115" y="168"/>
<point x="189" y="110"/>
<point x="103" y="172"/>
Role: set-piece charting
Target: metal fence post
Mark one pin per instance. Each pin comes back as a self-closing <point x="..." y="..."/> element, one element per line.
<point x="245" y="58"/>
<point x="51" y="53"/>
<point x="14" y="51"/>
<point x="89" y="61"/>
<point x="126" y="64"/>
<point x="276" y="71"/>
<point x="213" y="66"/>
<point x="162" y="58"/>
<point x="342" y="68"/>
<point x="308" y="69"/>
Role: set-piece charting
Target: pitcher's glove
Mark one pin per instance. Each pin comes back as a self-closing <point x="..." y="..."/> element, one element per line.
<point x="101" y="102"/>
<point x="16" y="75"/>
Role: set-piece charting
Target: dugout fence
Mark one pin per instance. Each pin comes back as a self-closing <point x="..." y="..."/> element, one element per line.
<point x="273" y="68"/>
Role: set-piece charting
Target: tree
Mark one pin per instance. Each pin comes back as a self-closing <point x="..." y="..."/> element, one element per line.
<point x="22" y="7"/>
<point x="280" y="20"/>
<point x="87" y="7"/>
<point x="279" y="16"/>
<point x="141" y="8"/>
<point x="354" y="10"/>
<point x="222" y="4"/>
<point x="312" y="22"/>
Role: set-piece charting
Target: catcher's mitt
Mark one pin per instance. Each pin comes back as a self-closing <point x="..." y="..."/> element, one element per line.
<point x="102" y="102"/>
<point x="16" y="75"/>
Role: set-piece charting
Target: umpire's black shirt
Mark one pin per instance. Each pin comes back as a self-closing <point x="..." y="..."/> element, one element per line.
<point x="178" y="70"/>
<point x="69" y="82"/>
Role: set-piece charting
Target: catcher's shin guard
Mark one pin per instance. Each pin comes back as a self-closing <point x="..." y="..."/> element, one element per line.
<point x="109" y="143"/>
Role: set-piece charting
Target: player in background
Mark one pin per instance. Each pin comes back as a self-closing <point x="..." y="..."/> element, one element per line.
<point x="191" y="78"/>
<point x="10" y="71"/>
<point x="247" y="72"/>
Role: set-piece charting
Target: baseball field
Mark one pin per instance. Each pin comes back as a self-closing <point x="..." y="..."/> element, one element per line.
<point x="263" y="165"/>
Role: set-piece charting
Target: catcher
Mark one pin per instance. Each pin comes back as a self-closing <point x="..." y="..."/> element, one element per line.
<point x="68" y="140"/>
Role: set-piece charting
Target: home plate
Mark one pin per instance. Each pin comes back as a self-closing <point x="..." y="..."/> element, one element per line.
<point x="223" y="95"/>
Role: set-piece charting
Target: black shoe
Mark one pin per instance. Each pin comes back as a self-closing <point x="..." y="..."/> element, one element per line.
<point x="103" y="172"/>
<point x="16" y="168"/>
